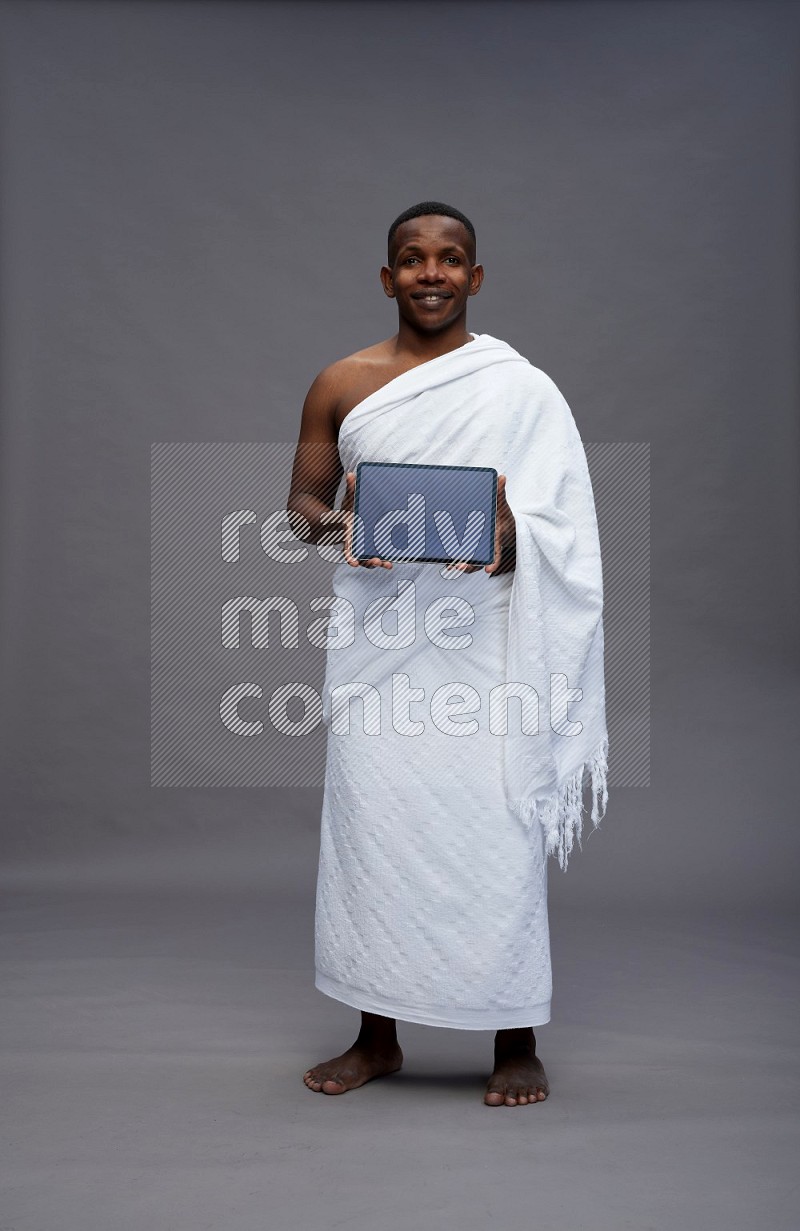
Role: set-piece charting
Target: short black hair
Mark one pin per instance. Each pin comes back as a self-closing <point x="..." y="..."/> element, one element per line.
<point x="422" y="211"/>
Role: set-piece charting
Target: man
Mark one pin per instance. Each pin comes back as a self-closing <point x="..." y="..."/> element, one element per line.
<point x="431" y="893"/>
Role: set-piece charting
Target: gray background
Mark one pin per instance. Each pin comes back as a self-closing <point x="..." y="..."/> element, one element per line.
<point x="194" y="206"/>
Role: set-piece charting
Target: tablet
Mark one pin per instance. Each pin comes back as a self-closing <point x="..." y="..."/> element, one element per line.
<point x="418" y="513"/>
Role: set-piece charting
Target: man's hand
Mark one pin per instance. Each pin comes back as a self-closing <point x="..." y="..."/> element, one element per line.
<point x="505" y="534"/>
<point x="346" y="512"/>
<point x="505" y="538"/>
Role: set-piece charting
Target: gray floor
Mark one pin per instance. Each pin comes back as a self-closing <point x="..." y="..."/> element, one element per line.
<point x="160" y="1009"/>
<point x="154" y="1041"/>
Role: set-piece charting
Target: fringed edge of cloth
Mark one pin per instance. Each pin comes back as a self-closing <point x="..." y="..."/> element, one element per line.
<point x="561" y="814"/>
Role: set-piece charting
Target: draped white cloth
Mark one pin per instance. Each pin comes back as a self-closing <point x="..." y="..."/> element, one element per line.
<point x="444" y="793"/>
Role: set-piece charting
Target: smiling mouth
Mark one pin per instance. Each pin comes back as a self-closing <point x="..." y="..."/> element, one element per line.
<point x="431" y="297"/>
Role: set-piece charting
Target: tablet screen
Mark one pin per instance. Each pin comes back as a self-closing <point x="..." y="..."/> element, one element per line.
<point x="413" y="512"/>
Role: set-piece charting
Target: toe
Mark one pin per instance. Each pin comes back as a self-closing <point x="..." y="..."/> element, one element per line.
<point x="494" y="1097"/>
<point x="332" y="1085"/>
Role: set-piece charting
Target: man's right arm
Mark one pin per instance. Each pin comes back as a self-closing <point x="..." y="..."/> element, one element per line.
<point x="317" y="468"/>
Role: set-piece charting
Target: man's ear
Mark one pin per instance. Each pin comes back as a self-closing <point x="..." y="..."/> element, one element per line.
<point x="387" y="281"/>
<point x="476" y="279"/>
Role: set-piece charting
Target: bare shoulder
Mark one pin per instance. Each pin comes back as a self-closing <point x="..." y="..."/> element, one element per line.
<point x="347" y="381"/>
<point x="352" y="366"/>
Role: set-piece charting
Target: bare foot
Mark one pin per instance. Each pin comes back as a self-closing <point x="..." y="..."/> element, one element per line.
<point x="359" y="1064"/>
<point x="519" y="1076"/>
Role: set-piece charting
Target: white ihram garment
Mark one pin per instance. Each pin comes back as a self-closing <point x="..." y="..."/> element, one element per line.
<point x="432" y="886"/>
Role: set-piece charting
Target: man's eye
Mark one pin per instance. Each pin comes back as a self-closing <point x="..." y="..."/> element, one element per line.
<point x="454" y="258"/>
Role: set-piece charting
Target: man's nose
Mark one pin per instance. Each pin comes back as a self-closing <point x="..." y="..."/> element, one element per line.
<point x="430" y="271"/>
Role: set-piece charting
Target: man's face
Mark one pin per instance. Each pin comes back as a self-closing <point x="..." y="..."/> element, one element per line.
<point x="432" y="272"/>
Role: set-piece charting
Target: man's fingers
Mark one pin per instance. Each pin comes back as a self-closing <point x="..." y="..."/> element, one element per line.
<point x="498" y="550"/>
<point x="372" y="562"/>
